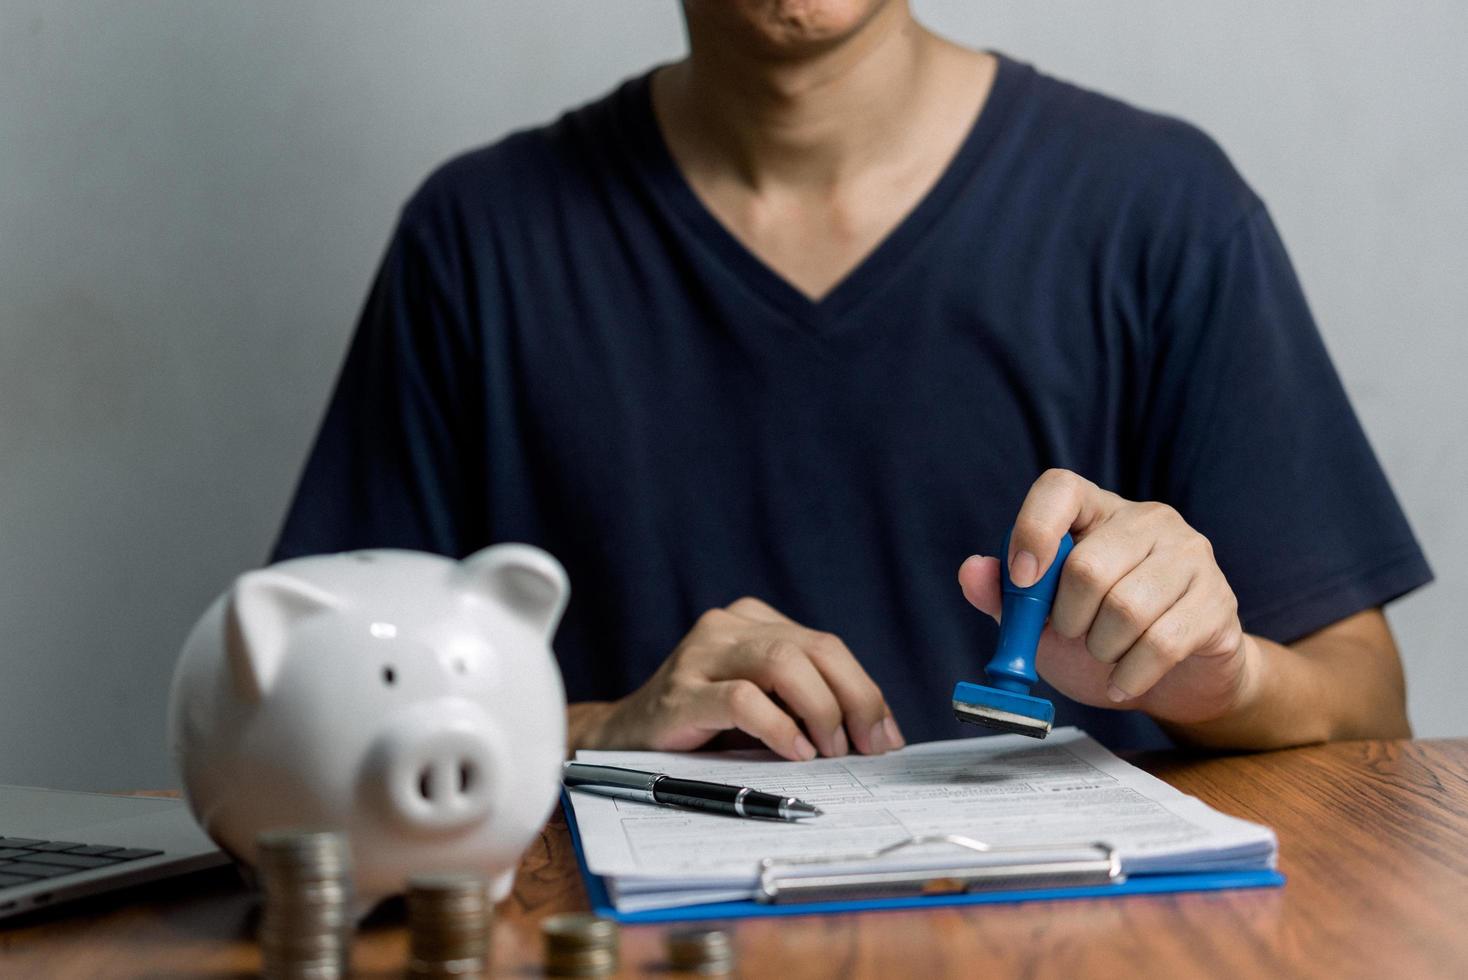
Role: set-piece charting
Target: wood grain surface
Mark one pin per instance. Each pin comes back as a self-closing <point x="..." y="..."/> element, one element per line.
<point x="1373" y="837"/>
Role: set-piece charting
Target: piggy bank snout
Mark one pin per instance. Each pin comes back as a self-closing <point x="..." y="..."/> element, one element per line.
<point x="437" y="776"/>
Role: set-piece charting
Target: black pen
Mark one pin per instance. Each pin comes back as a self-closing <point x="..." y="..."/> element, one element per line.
<point x="692" y="794"/>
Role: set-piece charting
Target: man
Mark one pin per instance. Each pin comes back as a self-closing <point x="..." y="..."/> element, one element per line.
<point x="766" y="340"/>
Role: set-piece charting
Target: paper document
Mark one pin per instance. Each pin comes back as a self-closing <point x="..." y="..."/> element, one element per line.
<point x="1004" y="790"/>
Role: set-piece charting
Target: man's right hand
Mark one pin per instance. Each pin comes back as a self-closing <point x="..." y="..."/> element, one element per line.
<point x="747" y="667"/>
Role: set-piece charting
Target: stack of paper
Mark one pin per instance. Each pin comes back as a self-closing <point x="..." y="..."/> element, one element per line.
<point x="1004" y="790"/>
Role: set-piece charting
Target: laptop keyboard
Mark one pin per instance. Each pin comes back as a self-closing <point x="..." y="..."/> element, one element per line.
<point x="24" y="860"/>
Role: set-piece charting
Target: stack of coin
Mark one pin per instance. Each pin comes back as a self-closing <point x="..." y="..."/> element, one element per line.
<point x="448" y="925"/>
<point x="306" y="928"/>
<point x="705" y="951"/>
<point x="580" y="945"/>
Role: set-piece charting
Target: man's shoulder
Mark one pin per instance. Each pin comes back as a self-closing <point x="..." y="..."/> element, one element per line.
<point x="494" y="169"/>
<point x="1150" y="165"/>
<point x="519" y="171"/>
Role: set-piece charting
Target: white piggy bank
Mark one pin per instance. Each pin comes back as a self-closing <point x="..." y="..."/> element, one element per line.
<point x="407" y="699"/>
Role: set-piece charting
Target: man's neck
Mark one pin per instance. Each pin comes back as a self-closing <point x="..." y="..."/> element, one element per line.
<point x="811" y="161"/>
<point x="798" y="122"/>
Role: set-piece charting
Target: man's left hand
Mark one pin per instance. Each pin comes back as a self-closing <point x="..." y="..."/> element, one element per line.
<point x="1143" y="617"/>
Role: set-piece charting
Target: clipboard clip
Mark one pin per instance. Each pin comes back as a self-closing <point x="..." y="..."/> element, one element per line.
<point x="785" y="881"/>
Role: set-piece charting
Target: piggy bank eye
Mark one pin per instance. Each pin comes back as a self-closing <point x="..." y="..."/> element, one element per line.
<point x="389" y="676"/>
<point x="462" y="655"/>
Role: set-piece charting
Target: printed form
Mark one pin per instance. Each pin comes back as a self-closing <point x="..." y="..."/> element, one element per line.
<point x="1004" y="790"/>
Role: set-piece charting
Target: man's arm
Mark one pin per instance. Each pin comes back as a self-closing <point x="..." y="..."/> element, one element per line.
<point x="1144" y="619"/>
<point x="1344" y="681"/>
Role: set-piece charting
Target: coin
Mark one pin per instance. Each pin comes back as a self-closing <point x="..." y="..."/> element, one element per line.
<point x="449" y="918"/>
<point x="580" y="945"/>
<point x="306" y="925"/>
<point x="700" y="950"/>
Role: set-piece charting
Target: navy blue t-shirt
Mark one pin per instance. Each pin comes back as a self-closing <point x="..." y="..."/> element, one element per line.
<point x="564" y="347"/>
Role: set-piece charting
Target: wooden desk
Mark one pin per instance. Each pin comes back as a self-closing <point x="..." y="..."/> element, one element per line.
<point x="1373" y="837"/>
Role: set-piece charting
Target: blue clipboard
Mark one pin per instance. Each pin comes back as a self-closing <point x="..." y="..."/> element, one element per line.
<point x="1135" y="884"/>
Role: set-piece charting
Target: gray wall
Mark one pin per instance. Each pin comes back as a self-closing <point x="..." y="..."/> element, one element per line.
<point x="194" y="193"/>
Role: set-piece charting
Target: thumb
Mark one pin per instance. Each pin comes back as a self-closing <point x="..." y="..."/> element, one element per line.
<point x="978" y="577"/>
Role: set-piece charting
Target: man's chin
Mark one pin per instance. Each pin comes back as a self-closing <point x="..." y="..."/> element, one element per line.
<point x="784" y="28"/>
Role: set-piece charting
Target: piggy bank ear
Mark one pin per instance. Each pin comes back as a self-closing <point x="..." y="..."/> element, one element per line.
<point x="263" y="607"/>
<point x="525" y="580"/>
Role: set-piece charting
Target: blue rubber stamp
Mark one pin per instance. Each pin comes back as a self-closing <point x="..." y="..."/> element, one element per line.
<point x="1004" y="702"/>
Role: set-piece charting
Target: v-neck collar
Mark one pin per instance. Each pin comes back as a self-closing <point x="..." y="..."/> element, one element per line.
<point x="661" y="172"/>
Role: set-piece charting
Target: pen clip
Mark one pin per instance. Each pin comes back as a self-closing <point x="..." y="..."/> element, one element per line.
<point x="632" y="784"/>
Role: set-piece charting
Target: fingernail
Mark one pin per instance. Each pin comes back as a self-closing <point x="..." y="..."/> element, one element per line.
<point x="838" y="742"/>
<point x="877" y="742"/>
<point x="1114" y="693"/>
<point x="894" y="737"/>
<point x="804" y="749"/>
<point x="1024" y="569"/>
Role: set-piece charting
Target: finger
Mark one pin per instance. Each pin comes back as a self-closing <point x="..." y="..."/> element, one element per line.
<point x="1097" y="564"/>
<point x="782" y="667"/>
<point x="1059" y="501"/>
<point x="1165" y="644"/>
<point x="868" y="720"/>
<point x="1141" y="598"/>
<point x="978" y="577"/>
<point x="741" y="704"/>
<point x="757" y="610"/>
<point x="716" y="623"/>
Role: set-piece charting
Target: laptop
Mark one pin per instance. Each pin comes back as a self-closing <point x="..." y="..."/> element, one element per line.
<point x="57" y="845"/>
